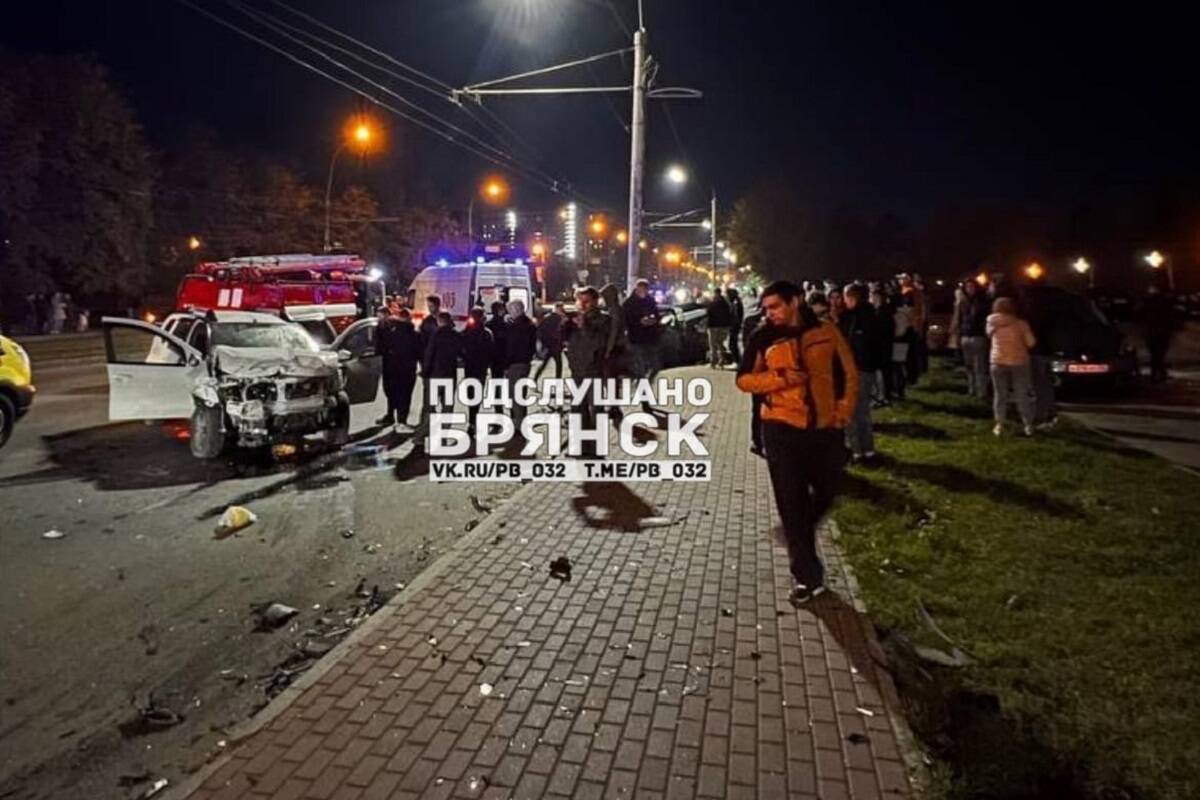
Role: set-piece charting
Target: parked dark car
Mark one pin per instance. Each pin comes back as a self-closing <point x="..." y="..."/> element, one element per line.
<point x="685" y="334"/>
<point x="1086" y="348"/>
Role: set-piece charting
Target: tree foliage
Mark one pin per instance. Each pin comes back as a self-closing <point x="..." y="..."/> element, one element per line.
<point x="76" y="187"/>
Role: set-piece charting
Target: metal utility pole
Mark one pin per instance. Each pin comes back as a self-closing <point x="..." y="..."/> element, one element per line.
<point x="713" y="234"/>
<point x="637" y="153"/>
<point x="329" y="194"/>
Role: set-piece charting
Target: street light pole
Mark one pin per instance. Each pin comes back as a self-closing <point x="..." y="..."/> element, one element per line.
<point x="637" y="153"/>
<point x="329" y="192"/>
<point x="470" y="225"/>
<point x="713" y="231"/>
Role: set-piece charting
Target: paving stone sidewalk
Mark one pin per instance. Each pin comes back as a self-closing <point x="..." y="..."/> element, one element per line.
<point x="669" y="665"/>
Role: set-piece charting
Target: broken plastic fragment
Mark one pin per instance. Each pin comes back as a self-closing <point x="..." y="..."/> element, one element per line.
<point x="234" y="519"/>
<point x="275" y="615"/>
<point x="53" y="533"/>
<point x="486" y="689"/>
<point x="864" y="711"/>
<point x="154" y="788"/>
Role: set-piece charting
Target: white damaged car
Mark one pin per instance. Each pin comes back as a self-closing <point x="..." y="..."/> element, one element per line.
<point x="243" y="378"/>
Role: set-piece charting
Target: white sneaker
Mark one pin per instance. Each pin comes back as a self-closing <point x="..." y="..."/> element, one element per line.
<point x="1029" y="430"/>
<point x="999" y="429"/>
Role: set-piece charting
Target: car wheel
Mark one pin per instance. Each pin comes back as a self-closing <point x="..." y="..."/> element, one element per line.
<point x="8" y="418"/>
<point x="208" y="435"/>
<point x="339" y="434"/>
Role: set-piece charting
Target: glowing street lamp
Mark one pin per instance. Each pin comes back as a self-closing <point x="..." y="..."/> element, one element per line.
<point x="677" y="175"/>
<point x="1035" y="271"/>
<point x="1157" y="260"/>
<point x="1083" y="267"/>
<point x="983" y="279"/>
<point x="598" y="227"/>
<point x="193" y="243"/>
<point x="622" y="237"/>
<point x="493" y="190"/>
<point x="360" y="134"/>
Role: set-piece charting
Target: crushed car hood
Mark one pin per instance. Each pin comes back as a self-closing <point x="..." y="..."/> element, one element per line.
<point x="270" y="362"/>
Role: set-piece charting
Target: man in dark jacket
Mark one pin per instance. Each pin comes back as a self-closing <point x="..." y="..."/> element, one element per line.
<point x="520" y="344"/>
<point x="400" y="346"/>
<point x="720" y="317"/>
<point x="433" y="306"/>
<point x="550" y="334"/>
<point x="972" y="327"/>
<point x="498" y="324"/>
<point x="640" y="311"/>
<point x="861" y="329"/>
<point x="441" y="357"/>
<point x="478" y="351"/>
<point x="587" y="342"/>
<point x="737" y="316"/>
<point x="1159" y="323"/>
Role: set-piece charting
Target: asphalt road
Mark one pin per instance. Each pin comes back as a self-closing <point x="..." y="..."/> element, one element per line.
<point x="1163" y="419"/>
<point x="139" y="616"/>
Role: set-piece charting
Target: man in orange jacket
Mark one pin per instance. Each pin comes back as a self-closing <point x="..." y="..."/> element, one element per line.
<point x="804" y="371"/>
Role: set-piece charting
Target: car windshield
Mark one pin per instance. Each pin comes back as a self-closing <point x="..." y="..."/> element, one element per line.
<point x="250" y="334"/>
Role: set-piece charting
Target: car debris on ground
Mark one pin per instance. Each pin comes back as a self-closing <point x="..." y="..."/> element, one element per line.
<point x="560" y="569"/>
<point x="273" y="615"/>
<point x="233" y="520"/>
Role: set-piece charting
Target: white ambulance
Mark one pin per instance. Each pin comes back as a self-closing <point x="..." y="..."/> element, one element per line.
<point x="491" y="277"/>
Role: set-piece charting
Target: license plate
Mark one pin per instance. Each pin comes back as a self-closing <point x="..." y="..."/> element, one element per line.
<point x="1081" y="369"/>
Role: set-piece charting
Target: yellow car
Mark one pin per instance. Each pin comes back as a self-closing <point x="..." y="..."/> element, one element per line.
<point x="16" y="386"/>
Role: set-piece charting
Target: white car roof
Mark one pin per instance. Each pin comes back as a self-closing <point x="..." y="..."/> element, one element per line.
<point x="242" y="317"/>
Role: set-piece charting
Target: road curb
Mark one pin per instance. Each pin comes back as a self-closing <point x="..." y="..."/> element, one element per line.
<point x="244" y="730"/>
<point x="910" y="750"/>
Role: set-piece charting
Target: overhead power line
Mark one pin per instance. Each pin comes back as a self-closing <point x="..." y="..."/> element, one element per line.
<point x="260" y="18"/>
<point x="503" y="160"/>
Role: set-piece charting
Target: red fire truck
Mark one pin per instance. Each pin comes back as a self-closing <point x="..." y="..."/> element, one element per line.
<point x="338" y="288"/>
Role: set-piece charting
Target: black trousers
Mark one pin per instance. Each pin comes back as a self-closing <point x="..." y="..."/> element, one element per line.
<point x="473" y="411"/>
<point x="735" y="349"/>
<point x="398" y="386"/>
<point x="556" y="356"/>
<point x="806" y="471"/>
<point x="1158" y="344"/>
<point x="756" y="438"/>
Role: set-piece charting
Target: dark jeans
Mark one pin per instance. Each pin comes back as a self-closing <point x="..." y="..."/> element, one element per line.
<point x="860" y="435"/>
<point x="646" y="359"/>
<point x="556" y="356"/>
<point x="806" y="469"/>
<point x="514" y="373"/>
<point x="899" y="370"/>
<point x="735" y="350"/>
<point x="912" y="365"/>
<point x="1158" y="344"/>
<point x="473" y="411"/>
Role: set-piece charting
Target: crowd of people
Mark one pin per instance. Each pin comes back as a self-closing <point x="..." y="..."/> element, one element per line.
<point x="605" y="337"/>
<point x="817" y="360"/>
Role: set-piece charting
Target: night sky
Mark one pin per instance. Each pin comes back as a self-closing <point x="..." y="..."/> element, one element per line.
<point x="893" y="107"/>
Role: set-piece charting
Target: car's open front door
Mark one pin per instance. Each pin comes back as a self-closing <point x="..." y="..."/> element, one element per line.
<point x="150" y="372"/>
<point x="363" y="369"/>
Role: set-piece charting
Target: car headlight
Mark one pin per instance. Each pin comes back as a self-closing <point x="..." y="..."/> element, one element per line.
<point x="261" y="391"/>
